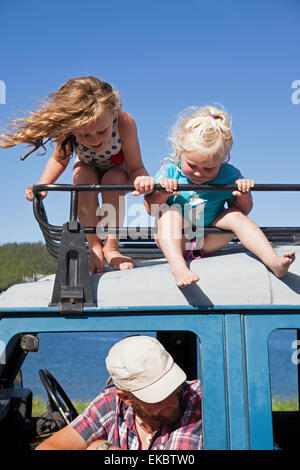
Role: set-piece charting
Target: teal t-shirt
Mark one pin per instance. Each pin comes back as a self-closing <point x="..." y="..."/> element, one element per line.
<point x="207" y="205"/>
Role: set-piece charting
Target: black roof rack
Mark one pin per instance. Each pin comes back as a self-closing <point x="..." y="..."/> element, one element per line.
<point x="72" y="288"/>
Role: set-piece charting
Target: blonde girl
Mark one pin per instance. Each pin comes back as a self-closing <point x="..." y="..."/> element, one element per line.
<point x="201" y="143"/>
<point x="84" y="117"/>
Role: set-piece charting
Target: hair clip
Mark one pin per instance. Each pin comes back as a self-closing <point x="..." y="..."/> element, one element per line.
<point x="213" y="116"/>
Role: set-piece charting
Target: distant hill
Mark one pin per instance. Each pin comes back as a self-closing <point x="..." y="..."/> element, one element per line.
<point x="24" y="259"/>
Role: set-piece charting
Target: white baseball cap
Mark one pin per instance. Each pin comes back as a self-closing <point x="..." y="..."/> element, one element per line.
<point x="142" y="366"/>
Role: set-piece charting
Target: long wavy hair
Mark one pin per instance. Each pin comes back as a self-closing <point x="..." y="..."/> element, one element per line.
<point x="74" y="105"/>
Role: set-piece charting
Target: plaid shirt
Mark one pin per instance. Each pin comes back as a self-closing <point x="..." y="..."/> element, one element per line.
<point x="108" y="417"/>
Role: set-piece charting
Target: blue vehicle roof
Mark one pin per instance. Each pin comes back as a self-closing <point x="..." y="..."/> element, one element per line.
<point x="232" y="277"/>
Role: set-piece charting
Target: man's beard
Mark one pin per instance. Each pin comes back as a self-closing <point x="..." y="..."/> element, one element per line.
<point x="170" y="418"/>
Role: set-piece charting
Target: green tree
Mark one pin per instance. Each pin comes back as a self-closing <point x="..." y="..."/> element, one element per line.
<point x="24" y="259"/>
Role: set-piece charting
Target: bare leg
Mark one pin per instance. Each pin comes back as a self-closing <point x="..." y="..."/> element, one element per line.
<point x="116" y="201"/>
<point x="87" y="208"/>
<point x="214" y="242"/>
<point x="171" y="241"/>
<point x="254" y="240"/>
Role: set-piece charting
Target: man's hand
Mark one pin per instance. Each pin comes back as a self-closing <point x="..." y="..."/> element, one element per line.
<point x="94" y="445"/>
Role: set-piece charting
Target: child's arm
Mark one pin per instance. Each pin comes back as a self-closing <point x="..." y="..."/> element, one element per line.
<point x="243" y="199"/>
<point x="160" y="197"/>
<point x="135" y="169"/>
<point x="55" y="166"/>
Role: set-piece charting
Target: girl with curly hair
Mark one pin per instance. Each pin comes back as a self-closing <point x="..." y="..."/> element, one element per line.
<point x="85" y="117"/>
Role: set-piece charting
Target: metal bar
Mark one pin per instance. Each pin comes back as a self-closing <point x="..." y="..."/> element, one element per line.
<point x="51" y="251"/>
<point x="74" y="205"/>
<point x="146" y="232"/>
<point x="40" y="219"/>
<point x="52" y="236"/>
<point x="181" y="187"/>
<point x="146" y="245"/>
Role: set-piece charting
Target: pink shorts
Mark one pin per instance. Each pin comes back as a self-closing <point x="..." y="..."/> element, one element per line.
<point x="195" y="252"/>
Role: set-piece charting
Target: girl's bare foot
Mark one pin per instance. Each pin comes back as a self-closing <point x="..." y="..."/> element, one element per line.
<point x="184" y="276"/>
<point x="118" y="261"/>
<point x="282" y="264"/>
<point x="96" y="260"/>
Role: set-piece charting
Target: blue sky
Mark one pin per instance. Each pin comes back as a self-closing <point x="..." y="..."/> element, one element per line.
<point x="163" y="56"/>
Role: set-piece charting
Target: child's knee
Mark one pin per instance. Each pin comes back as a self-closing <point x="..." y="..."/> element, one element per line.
<point x="115" y="176"/>
<point x="234" y="217"/>
<point x="84" y="175"/>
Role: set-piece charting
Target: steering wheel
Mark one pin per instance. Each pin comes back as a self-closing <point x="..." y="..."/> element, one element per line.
<point x="61" y="407"/>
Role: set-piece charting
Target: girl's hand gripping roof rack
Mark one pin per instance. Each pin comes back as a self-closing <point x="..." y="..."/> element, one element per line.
<point x="72" y="287"/>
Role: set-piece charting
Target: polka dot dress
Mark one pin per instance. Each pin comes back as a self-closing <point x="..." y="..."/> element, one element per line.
<point x="109" y="156"/>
